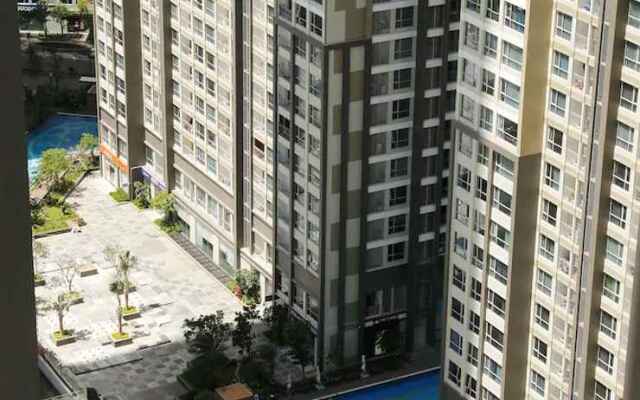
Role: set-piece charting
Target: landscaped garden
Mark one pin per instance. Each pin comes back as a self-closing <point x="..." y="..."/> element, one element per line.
<point x="255" y="354"/>
<point x="58" y="174"/>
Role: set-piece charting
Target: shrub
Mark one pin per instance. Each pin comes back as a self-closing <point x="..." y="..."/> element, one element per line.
<point x="208" y="371"/>
<point x="248" y="281"/>
<point x="166" y="203"/>
<point x="141" y="194"/>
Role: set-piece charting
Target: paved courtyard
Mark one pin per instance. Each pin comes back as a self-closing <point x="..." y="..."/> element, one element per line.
<point x="170" y="286"/>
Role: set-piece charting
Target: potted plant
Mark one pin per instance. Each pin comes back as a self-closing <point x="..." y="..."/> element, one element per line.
<point x="68" y="275"/>
<point x="119" y="337"/>
<point x="60" y="305"/>
<point x="40" y="250"/>
<point x="126" y="262"/>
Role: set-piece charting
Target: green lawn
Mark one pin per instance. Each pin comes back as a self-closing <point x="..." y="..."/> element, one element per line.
<point x="119" y="195"/>
<point x="54" y="219"/>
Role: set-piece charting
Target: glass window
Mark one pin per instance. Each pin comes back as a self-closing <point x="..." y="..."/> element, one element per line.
<point x="490" y="45"/>
<point x="471" y="36"/>
<point x="634" y="13"/>
<point x="544" y="281"/>
<point x="617" y="213"/>
<point x="560" y="64"/>
<point x="403" y="48"/>
<point x="498" y="270"/>
<point x="454" y="373"/>
<point x="486" y="118"/>
<point x="632" y="55"/>
<point x="537" y="383"/>
<point x="549" y="212"/>
<point x="552" y="176"/>
<point x="507" y="129"/>
<point x="509" y="93"/>
<point x="502" y="200"/>
<point x="488" y="82"/>
<point x="611" y="288"/>
<point x="547" y="248"/>
<point x="554" y="140"/>
<point x="624" y="136"/>
<point x="564" y="25"/>
<point x="492" y="368"/>
<point x="621" y="175"/>
<point x="542" y="316"/>
<point x="628" y="96"/>
<point x="514" y="17"/>
<point x="601" y="391"/>
<point x="493" y="9"/>
<point x="540" y="350"/>
<point x="512" y="55"/>
<point x="608" y="324"/>
<point x="615" y="251"/>
<point x="455" y="341"/>
<point x="558" y="102"/>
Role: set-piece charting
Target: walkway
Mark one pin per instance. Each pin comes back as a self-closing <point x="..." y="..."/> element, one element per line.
<point x="170" y="286"/>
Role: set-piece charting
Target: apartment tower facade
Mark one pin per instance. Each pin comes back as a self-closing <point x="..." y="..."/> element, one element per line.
<point x="185" y="100"/>
<point x="365" y="96"/>
<point x="542" y="301"/>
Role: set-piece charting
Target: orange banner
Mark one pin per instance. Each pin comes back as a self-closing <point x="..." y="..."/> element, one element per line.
<point x="122" y="166"/>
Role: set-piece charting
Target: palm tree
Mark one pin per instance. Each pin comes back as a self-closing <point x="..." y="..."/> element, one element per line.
<point x="126" y="262"/>
<point x="115" y="287"/>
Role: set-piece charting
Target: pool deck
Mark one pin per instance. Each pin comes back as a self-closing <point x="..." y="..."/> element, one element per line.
<point x="415" y="367"/>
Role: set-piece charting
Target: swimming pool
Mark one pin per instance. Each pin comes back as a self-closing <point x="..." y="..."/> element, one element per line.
<point x="59" y="131"/>
<point x="423" y="386"/>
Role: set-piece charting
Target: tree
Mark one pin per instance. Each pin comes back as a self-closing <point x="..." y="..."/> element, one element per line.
<point x="207" y="334"/>
<point x="276" y="317"/>
<point x="248" y="281"/>
<point x="60" y="305"/>
<point x="52" y="166"/>
<point x="60" y="13"/>
<point x="242" y="335"/>
<point x="166" y="203"/>
<point x="83" y="9"/>
<point x="116" y="288"/>
<point x="126" y="262"/>
<point x="40" y="13"/>
<point x="141" y="194"/>
<point x="88" y="143"/>
<point x="299" y="339"/>
<point x="111" y="254"/>
<point x="68" y="275"/>
<point x="40" y="250"/>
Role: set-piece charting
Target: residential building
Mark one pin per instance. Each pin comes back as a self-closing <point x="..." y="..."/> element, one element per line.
<point x="365" y="96"/>
<point x="541" y="300"/>
<point x="185" y="98"/>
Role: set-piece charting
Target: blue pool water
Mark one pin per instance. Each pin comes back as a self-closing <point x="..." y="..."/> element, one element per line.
<point x="424" y="386"/>
<point x="59" y="131"/>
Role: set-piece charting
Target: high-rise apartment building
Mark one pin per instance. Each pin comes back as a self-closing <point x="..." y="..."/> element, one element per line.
<point x="365" y="96"/>
<point x="542" y="301"/>
<point x="364" y="104"/>
<point x="185" y="97"/>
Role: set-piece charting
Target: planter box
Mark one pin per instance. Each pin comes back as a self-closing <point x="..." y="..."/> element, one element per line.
<point x="74" y="297"/>
<point x="88" y="270"/>
<point x="64" y="338"/>
<point x="121" y="340"/>
<point x="130" y="313"/>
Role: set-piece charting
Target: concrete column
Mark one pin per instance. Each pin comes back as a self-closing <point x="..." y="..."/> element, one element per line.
<point x="18" y="344"/>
